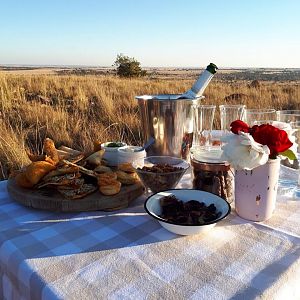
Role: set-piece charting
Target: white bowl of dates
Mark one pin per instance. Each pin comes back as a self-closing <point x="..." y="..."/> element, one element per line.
<point x="160" y="173"/>
<point x="187" y="212"/>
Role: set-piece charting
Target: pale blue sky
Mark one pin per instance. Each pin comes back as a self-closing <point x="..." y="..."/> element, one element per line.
<point x="192" y="33"/>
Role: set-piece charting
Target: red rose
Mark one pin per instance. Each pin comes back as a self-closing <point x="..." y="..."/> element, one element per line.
<point x="239" y="125"/>
<point x="276" y="139"/>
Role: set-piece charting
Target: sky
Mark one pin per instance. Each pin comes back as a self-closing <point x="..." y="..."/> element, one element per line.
<point x="158" y="33"/>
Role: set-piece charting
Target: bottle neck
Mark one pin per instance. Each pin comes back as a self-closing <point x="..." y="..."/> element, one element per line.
<point x="202" y="82"/>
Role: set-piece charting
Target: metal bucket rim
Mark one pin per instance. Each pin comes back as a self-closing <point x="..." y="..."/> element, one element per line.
<point x="164" y="97"/>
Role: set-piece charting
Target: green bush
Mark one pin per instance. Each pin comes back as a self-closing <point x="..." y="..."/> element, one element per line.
<point x="128" y="67"/>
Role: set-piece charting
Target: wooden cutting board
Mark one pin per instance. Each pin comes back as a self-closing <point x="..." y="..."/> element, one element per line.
<point x="50" y="199"/>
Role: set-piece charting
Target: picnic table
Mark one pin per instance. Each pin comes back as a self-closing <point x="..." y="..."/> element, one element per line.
<point x="127" y="255"/>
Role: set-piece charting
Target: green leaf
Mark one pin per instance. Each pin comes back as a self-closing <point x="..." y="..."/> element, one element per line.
<point x="289" y="154"/>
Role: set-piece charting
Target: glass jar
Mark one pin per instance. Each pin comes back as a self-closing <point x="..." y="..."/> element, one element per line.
<point x="213" y="175"/>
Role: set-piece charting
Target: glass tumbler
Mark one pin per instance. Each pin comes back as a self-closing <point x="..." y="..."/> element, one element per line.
<point x="203" y="122"/>
<point x="288" y="115"/>
<point x="230" y="113"/>
<point x="293" y="118"/>
<point x="260" y="116"/>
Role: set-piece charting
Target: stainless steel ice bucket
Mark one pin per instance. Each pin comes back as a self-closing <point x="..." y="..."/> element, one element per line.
<point x="169" y="121"/>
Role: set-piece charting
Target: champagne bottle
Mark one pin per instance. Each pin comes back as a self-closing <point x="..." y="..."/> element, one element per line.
<point x="201" y="84"/>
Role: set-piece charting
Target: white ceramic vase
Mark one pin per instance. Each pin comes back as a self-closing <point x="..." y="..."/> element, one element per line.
<point x="256" y="191"/>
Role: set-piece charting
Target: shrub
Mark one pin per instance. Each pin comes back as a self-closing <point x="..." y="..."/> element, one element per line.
<point x="128" y="67"/>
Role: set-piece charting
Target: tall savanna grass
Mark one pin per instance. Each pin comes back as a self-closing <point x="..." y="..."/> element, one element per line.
<point x="78" y="110"/>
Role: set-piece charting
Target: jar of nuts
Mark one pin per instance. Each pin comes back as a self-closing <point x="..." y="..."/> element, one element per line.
<point x="213" y="175"/>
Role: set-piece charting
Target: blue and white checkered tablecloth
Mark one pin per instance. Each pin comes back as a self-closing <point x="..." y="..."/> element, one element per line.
<point x="127" y="255"/>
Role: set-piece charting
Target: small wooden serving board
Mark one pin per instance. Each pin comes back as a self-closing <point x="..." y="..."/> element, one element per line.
<point x="50" y="199"/>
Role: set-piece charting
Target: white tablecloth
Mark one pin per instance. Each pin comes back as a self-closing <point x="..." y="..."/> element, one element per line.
<point x="128" y="255"/>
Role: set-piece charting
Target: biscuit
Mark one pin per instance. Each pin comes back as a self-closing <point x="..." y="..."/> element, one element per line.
<point x="59" y="180"/>
<point x="80" y="168"/>
<point x="102" y="169"/>
<point x="112" y="188"/>
<point x="127" y="178"/>
<point x="61" y="171"/>
<point x="81" y="192"/>
<point x="126" y="167"/>
<point x="74" y="158"/>
<point x="106" y="177"/>
<point x="72" y="184"/>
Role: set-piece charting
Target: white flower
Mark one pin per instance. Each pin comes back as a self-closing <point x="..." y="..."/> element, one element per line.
<point x="242" y="152"/>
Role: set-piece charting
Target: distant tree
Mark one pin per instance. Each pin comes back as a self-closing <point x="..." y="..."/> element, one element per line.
<point x="128" y="66"/>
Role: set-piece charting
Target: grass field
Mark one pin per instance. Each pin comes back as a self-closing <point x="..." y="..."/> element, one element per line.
<point x="77" y="110"/>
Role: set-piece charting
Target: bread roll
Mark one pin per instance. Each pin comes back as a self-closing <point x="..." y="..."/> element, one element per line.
<point x="22" y="180"/>
<point x="97" y="146"/>
<point x="37" y="170"/>
<point x="35" y="157"/>
<point x="50" y="150"/>
<point x="95" y="158"/>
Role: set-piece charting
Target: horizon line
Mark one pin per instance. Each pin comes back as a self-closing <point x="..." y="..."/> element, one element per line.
<point x="153" y="67"/>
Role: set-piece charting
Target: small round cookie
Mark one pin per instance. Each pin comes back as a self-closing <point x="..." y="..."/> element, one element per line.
<point x="126" y="167"/>
<point x="106" y="176"/>
<point x="127" y="178"/>
<point x="105" y="181"/>
<point x="103" y="169"/>
<point x="113" y="188"/>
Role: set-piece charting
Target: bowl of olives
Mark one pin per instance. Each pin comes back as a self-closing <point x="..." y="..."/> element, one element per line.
<point x="187" y="212"/>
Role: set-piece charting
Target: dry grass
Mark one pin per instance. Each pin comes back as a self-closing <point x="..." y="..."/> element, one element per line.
<point x="77" y="110"/>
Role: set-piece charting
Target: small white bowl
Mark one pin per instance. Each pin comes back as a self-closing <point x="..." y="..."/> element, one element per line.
<point x="111" y="154"/>
<point x="153" y="208"/>
<point x="129" y="154"/>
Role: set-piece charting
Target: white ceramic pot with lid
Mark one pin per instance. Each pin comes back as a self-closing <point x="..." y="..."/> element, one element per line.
<point x="129" y="154"/>
<point x="111" y="154"/>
